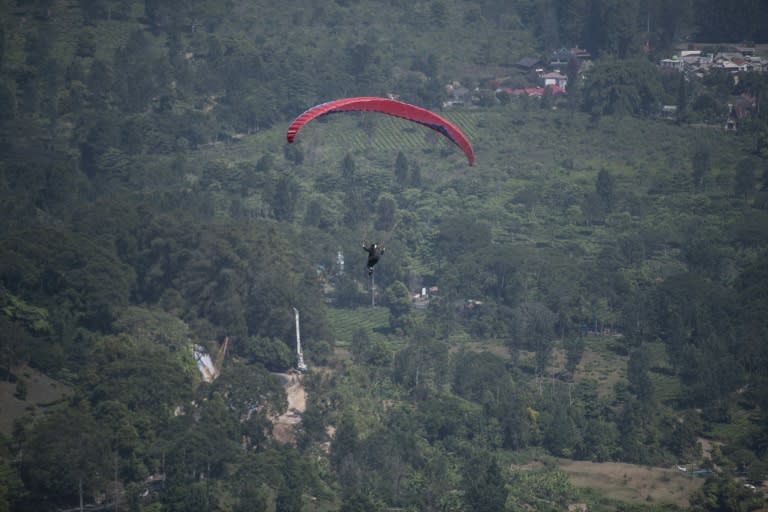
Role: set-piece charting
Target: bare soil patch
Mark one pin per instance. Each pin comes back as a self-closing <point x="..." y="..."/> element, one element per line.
<point x="283" y="425"/>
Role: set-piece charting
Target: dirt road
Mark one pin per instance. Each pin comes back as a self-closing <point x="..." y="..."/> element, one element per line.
<point x="283" y="425"/>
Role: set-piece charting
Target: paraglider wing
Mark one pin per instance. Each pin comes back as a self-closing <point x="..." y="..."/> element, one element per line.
<point x="391" y="107"/>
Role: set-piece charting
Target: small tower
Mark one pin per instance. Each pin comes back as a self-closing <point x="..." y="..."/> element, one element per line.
<point x="300" y="365"/>
<point x="340" y="261"/>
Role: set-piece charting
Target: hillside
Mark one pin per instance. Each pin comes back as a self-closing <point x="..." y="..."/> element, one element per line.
<point x="593" y="286"/>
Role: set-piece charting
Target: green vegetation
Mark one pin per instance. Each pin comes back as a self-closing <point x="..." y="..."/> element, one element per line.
<point x="596" y="282"/>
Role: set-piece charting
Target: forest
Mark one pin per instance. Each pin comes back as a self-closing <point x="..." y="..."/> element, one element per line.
<point x="579" y="321"/>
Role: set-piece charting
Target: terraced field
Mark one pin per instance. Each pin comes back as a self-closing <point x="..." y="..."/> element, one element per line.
<point x="345" y="322"/>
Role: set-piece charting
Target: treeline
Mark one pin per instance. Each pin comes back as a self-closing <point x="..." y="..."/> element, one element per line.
<point x="625" y="29"/>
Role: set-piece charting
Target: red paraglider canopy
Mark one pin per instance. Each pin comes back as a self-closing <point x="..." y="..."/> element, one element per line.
<point x="391" y="107"/>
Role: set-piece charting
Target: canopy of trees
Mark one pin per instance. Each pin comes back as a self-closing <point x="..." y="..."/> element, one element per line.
<point x="592" y="289"/>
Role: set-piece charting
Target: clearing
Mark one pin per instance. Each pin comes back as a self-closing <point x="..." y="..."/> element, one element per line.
<point x="282" y="426"/>
<point x="632" y="483"/>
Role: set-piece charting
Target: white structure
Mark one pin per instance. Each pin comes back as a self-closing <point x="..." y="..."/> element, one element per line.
<point x="205" y="364"/>
<point x="300" y="365"/>
<point x="340" y="261"/>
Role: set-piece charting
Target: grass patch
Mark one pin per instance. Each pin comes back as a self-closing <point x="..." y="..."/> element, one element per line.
<point x="630" y="483"/>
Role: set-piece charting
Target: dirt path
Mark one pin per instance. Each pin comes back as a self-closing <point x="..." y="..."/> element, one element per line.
<point x="282" y="426"/>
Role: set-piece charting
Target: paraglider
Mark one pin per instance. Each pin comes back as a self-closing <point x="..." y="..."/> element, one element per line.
<point x="390" y="107"/>
<point x="375" y="251"/>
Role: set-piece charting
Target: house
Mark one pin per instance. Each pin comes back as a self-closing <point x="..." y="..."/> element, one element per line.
<point x="560" y="58"/>
<point x="755" y="64"/>
<point x="695" y="59"/>
<point x="536" y="92"/>
<point x="728" y="65"/>
<point x="457" y="95"/>
<point x="581" y="54"/>
<point x="673" y="63"/>
<point x="732" y="62"/>
<point x="669" y="111"/>
<point x="519" y="91"/>
<point x="528" y="64"/>
<point x="555" y="78"/>
<point x="690" y="61"/>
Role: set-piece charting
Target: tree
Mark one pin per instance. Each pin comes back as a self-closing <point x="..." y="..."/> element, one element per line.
<point x="7" y="101"/>
<point x="476" y="373"/>
<point x="574" y="349"/>
<point x="252" y="499"/>
<point x="265" y="163"/>
<point x="287" y="194"/>
<point x="460" y="235"/>
<point x="637" y="373"/>
<point x="10" y="484"/>
<point x="14" y="344"/>
<point x="146" y="379"/>
<point x="682" y="99"/>
<point x="86" y="44"/>
<point x="622" y="87"/>
<point x="348" y="168"/>
<point x="343" y="448"/>
<point x="248" y="389"/>
<point x="561" y="435"/>
<point x="294" y="154"/>
<point x="398" y="299"/>
<point x="422" y="366"/>
<point x="574" y="83"/>
<point x="745" y="180"/>
<point x="66" y="457"/>
<point x="357" y="208"/>
<point x="700" y="165"/>
<point x="414" y="178"/>
<point x="401" y="168"/>
<point x="123" y="439"/>
<point x="708" y="109"/>
<point x="139" y="72"/>
<point x="270" y="352"/>
<point x="431" y="93"/>
<point x="361" y="344"/>
<point x="721" y="493"/>
<point x="738" y="20"/>
<point x="606" y="189"/>
<point x="484" y="485"/>
<point x="360" y="502"/>
<point x="532" y="325"/>
<point x="386" y="208"/>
